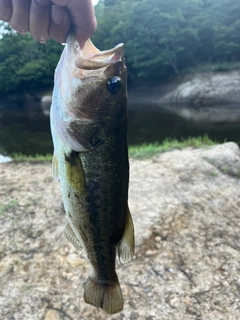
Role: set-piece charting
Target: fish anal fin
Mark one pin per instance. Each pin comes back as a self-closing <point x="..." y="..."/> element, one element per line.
<point x="55" y="168"/>
<point x="71" y="237"/>
<point x="127" y="243"/>
<point x="105" y="295"/>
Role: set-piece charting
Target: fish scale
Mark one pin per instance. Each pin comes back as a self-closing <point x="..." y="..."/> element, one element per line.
<point x="89" y="131"/>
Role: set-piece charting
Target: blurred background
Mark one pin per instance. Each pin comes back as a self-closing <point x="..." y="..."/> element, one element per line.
<point x="183" y="59"/>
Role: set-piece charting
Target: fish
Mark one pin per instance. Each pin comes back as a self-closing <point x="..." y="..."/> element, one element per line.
<point x="88" y="119"/>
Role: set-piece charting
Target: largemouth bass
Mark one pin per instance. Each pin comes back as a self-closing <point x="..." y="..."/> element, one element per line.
<point x="89" y="131"/>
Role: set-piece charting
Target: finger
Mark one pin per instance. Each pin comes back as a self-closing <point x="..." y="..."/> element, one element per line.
<point x="20" y="15"/>
<point x="83" y="35"/>
<point x="82" y="16"/>
<point x="60" y="24"/>
<point x="39" y="19"/>
<point x="5" y="10"/>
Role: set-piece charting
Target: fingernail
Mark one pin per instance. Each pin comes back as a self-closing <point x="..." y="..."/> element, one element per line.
<point x="42" y="40"/>
<point x="57" y="14"/>
<point x="43" y="2"/>
<point x="81" y="45"/>
<point x="22" y="31"/>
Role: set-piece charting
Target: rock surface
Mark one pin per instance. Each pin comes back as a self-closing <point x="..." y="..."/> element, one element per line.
<point x="4" y="159"/>
<point x="206" y="93"/>
<point x="185" y="205"/>
<point x="204" y="97"/>
<point x="206" y="89"/>
<point x="46" y="102"/>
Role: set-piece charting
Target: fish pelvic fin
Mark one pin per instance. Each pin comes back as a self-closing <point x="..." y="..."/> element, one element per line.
<point x="127" y="243"/>
<point x="71" y="237"/>
<point x="55" y="169"/>
<point x="104" y="294"/>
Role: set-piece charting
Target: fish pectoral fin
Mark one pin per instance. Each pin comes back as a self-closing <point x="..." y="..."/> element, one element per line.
<point x="55" y="168"/>
<point x="85" y="135"/>
<point x="127" y="243"/>
<point x="71" y="237"/>
<point x="106" y="295"/>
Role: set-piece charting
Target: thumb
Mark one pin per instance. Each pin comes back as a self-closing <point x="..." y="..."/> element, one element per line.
<point x="82" y="16"/>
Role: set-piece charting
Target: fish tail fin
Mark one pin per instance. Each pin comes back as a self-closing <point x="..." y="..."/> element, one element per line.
<point x="105" y="295"/>
<point x="127" y="243"/>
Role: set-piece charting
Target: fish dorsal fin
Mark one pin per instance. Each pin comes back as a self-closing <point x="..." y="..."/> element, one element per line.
<point x="127" y="243"/>
<point x="55" y="169"/>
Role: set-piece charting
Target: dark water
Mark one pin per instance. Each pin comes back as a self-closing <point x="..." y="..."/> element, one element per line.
<point x="21" y="133"/>
<point x="157" y="126"/>
<point x="24" y="134"/>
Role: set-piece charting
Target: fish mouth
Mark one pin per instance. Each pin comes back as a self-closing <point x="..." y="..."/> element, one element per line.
<point x="99" y="59"/>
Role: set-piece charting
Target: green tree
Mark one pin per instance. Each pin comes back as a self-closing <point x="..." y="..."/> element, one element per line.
<point x="25" y="63"/>
<point x="161" y="38"/>
<point x="158" y="35"/>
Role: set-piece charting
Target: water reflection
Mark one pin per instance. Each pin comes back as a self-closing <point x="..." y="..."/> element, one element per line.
<point x="30" y="134"/>
<point x="24" y="134"/>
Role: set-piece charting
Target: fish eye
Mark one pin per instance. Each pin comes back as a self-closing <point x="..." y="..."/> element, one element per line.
<point x="114" y="85"/>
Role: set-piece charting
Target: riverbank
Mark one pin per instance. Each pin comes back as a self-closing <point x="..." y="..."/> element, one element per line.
<point x="144" y="151"/>
<point x="155" y="113"/>
<point x="196" y="89"/>
<point x="185" y="206"/>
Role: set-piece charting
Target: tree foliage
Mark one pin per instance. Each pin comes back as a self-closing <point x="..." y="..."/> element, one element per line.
<point x="165" y="37"/>
<point x="161" y="38"/>
<point x="26" y="64"/>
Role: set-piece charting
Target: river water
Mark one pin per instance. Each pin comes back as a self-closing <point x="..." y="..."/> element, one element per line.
<point x="30" y="134"/>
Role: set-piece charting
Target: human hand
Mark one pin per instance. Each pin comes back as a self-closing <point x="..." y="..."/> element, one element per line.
<point x="50" y="19"/>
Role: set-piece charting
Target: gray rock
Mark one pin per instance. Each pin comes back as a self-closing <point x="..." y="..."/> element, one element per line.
<point x="185" y="206"/>
<point x="178" y="178"/>
<point x="4" y="159"/>
<point x="46" y="104"/>
<point x="206" y="89"/>
<point x="206" y="98"/>
<point x="225" y="158"/>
